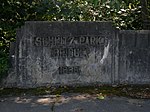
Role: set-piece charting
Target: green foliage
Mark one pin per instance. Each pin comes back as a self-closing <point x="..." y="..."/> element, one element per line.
<point x="125" y="14"/>
<point x="3" y="64"/>
<point x="148" y="6"/>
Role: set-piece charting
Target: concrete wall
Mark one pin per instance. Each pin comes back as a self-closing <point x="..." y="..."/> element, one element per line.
<point x="134" y="57"/>
<point x="78" y="53"/>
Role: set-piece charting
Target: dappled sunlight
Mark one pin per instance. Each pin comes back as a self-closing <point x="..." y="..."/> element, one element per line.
<point x="22" y="100"/>
<point x="73" y="103"/>
<point x="48" y="100"/>
<point x="62" y="100"/>
<point x="58" y="100"/>
<point x="82" y="97"/>
<point x="53" y="100"/>
<point x="45" y="100"/>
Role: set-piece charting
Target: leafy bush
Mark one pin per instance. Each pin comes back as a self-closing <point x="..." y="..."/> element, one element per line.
<point x="124" y="14"/>
<point x="4" y="65"/>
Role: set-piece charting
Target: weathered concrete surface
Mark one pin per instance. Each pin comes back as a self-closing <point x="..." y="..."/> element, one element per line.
<point x="64" y="53"/>
<point x="134" y="57"/>
<point x="73" y="103"/>
<point x="78" y="53"/>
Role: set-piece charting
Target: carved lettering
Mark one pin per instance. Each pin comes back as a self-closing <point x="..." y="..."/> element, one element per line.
<point x="69" y="70"/>
<point x="68" y="52"/>
<point x="63" y="41"/>
<point x="69" y="41"/>
<point x="75" y="47"/>
<point x="70" y="47"/>
<point x="92" y="40"/>
<point x="37" y="41"/>
<point x="82" y="40"/>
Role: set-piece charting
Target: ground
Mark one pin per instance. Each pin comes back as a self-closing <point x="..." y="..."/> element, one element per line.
<point x="73" y="103"/>
<point x="78" y="99"/>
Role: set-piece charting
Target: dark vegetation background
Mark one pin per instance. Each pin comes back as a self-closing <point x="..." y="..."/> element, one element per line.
<point x="125" y="14"/>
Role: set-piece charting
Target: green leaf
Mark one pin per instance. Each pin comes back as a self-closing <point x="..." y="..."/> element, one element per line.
<point x="130" y="6"/>
<point x="95" y="2"/>
<point x="100" y="96"/>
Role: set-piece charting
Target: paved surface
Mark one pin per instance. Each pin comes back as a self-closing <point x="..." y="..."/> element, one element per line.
<point x="73" y="103"/>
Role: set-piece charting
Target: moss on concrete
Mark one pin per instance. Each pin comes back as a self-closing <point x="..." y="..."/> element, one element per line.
<point x="135" y="91"/>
